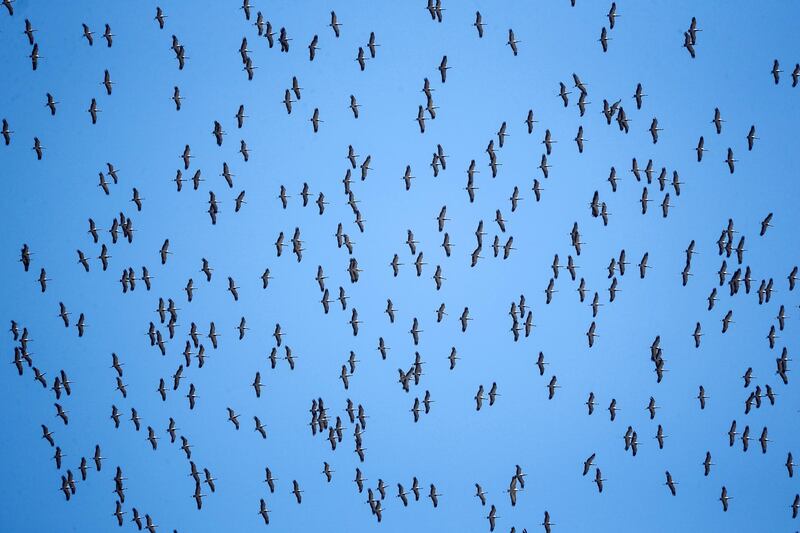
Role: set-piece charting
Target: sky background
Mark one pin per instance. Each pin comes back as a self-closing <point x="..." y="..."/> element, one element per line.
<point x="47" y="204"/>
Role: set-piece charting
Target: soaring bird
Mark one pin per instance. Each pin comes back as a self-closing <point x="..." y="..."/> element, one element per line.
<point x="724" y="498"/>
<point x="443" y="68"/>
<point x="670" y="483"/>
<point x="492" y="517"/>
<point x="479" y="24"/>
<point x="88" y="35"/>
<point x="233" y="289"/>
<point x="776" y="71"/>
<point x="434" y="496"/>
<point x="751" y="137"/>
<point x="604" y="38"/>
<point x="765" y="224"/>
<point x="730" y="160"/>
<point x="233" y="418"/>
<point x="164" y="252"/>
<point x="335" y="25"/>
<point x="354" y="321"/>
<point x="512" y="42"/>
<point x="361" y="58"/>
<point x="7" y="133"/>
<point x="591" y="334"/>
<point x="93" y="111"/>
<point x="160" y="17"/>
<point x="37" y="144"/>
<point x="639" y="95"/>
<point x="192" y="396"/>
<point x="551" y="387"/>
<point x="298" y="494"/>
<point x="108" y="36"/>
<point x="689" y="42"/>
<point x="51" y="104"/>
<point x="260" y="428"/>
<point x="598" y="479"/>
<point x="654" y="129"/>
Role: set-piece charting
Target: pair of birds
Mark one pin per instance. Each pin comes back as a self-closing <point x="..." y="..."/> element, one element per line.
<point x="776" y="73"/>
<point x="107" y="35"/>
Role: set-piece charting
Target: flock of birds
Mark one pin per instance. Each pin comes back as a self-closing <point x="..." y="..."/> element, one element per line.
<point x="731" y="247"/>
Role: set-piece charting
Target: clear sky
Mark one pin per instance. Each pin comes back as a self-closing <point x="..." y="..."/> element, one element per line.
<point x="46" y="204"/>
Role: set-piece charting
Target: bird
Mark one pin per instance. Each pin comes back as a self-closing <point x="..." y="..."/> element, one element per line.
<point x="598" y="480"/>
<point x="164" y="252"/>
<point x="37" y="144"/>
<point x="298" y="494"/>
<point x="652" y="407"/>
<point x="724" y="498"/>
<point x="233" y="289"/>
<point x="443" y="68"/>
<point x="689" y="42"/>
<point x="88" y="35"/>
<point x="361" y="58"/>
<point x="751" y="138"/>
<point x="107" y="83"/>
<point x="604" y="38"/>
<point x="479" y="25"/>
<point x="590" y="403"/>
<point x="492" y="517"/>
<point x="434" y="496"/>
<point x="552" y="386"/>
<point x="51" y="104"/>
<point x="654" y="129"/>
<point x="564" y="94"/>
<point x="700" y="149"/>
<point x="209" y="480"/>
<point x="726" y="321"/>
<point x="43" y="279"/>
<point x="702" y="397"/>
<point x="327" y="471"/>
<point x="335" y="25"/>
<point x="260" y="427"/>
<point x="765" y="224"/>
<point x="108" y="36"/>
<point x="47" y="435"/>
<point x="717" y="121"/>
<point x="29" y="30"/>
<point x="763" y="440"/>
<point x="354" y="321"/>
<point x="233" y="418"/>
<point x="7" y="133"/>
<point x="697" y="335"/>
<point x="372" y="45"/>
<point x="160" y="18"/>
<point x="579" y="139"/>
<point x="776" y="71"/>
<point x="191" y="396"/>
<point x="730" y="160"/>
<point x="670" y="483"/>
<point x="465" y="318"/>
<point x="493" y="394"/>
<point x="512" y="42"/>
<point x="591" y="335"/>
<point x="707" y="464"/>
<point x="151" y="437"/>
<point x="93" y="110"/>
<point x="479" y="397"/>
<point x="639" y="95"/>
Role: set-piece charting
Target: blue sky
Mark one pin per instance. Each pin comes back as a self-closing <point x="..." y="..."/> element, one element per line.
<point x="47" y="204"/>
